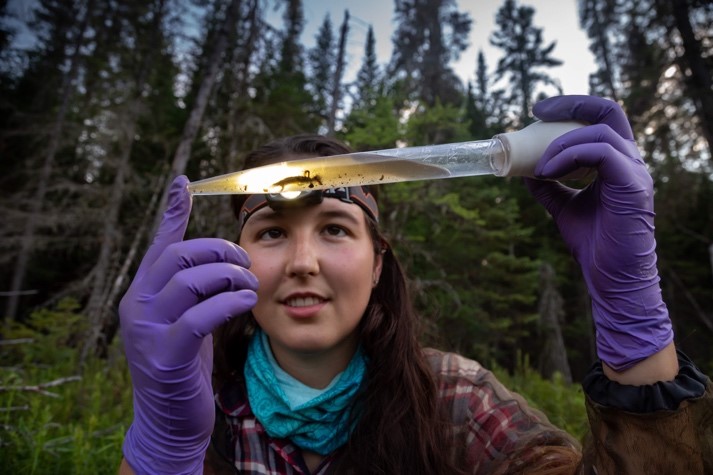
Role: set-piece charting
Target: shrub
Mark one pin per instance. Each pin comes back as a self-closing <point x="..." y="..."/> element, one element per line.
<point x="54" y="418"/>
<point x="562" y="402"/>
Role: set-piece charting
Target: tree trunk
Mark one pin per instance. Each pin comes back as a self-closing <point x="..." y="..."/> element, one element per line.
<point x="698" y="83"/>
<point x="338" y="73"/>
<point x="240" y="128"/>
<point x="706" y="320"/>
<point x="109" y="326"/>
<point x="553" y="358"/>
<point x="600" y="30"/>
<point x="28" y="236"/>
<point x="96" y="310"/>
<point x="710" y="256"/>
<point x="190" y="130"/>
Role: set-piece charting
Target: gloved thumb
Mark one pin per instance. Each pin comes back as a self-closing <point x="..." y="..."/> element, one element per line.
<point x="173" y="224"/>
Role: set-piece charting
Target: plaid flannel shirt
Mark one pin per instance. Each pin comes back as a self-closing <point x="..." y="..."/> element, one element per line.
<point x="494" y="424"/>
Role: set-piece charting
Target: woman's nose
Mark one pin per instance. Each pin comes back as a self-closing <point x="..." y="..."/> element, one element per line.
<point x="303" y="258"/>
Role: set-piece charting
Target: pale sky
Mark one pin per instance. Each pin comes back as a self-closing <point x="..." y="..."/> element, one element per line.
<point x="558" y="20"/>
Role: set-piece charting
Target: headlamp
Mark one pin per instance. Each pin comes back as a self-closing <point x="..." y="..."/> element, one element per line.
<point x="358" y="195"/>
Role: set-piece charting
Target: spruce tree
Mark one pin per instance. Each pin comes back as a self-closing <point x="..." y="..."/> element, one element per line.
<point x="372" y="122"/>
<point x="523" y="57"/>
<point x="282" y="99"/>
<point x="429" y="35"/>
<point x="322" y="59"/>
<point x="598" y="18"/>
<point x="368" y="84"/>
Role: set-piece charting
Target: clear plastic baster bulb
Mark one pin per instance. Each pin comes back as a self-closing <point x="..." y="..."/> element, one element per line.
<point x="509" y="154"/>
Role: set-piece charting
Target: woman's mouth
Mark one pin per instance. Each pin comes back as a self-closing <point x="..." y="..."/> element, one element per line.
<point x="303" y="301"/>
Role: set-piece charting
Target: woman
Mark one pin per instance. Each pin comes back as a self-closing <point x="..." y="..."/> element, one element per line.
<point x="318" y="367"/>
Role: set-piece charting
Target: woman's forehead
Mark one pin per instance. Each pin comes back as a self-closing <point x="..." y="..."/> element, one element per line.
<point x="328" y="206"/>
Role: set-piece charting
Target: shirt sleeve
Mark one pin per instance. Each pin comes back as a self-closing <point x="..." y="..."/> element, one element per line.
<point x="665" y="427"/>
<point x="497" y="430"/>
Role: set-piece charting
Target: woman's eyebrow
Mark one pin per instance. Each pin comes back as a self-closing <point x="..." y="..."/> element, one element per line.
<point x="339" y="214"/>
<point x="267" y="215"/>
<point x="271" y="215"/>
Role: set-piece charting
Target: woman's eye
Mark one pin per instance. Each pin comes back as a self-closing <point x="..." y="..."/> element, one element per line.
<point x="272" y="233"/>
<point x="334" y="230"/>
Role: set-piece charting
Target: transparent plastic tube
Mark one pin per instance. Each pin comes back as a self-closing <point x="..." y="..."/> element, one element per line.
<point x="509" y="154"/>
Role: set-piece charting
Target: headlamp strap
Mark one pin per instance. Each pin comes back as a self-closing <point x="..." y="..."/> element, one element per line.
<point x="358" y="195"/>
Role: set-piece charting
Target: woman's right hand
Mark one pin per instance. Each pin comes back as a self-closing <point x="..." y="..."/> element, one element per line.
<point x="182" y="291"/>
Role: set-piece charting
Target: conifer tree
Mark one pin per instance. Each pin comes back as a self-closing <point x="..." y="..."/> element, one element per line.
<point x="321" y="60"/>
<point x="143" y="29"/>
<point x="598" y="18"/>
<point x="523" y="56"/>
<point x="429" y="35"/>
<point x="327" y="61"/>
<point x="689" y="25"/>
<point x="368" y="84"/>
<point x="50" y="86"/>
<point x="285" y="105"/>
<point x="650" y="51"/>
<point x="372" y="122"/>
<point x="230" y="125"/>
<point x="484" y="107"/>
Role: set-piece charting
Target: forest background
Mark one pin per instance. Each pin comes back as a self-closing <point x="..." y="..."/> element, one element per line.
<point x="115" y="98"/>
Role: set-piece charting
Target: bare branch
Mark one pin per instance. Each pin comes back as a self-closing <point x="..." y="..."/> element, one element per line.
<point x="698" y="310"/>
<point x="15" y="408"/>
<point x="16" y="341"/>
<point x="41" y="388"/>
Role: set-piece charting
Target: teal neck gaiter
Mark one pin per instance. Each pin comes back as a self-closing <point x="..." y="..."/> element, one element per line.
<point x="313" y="419"/>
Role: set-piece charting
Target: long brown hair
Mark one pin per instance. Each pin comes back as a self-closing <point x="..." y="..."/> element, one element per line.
<point x="400" y="427"/>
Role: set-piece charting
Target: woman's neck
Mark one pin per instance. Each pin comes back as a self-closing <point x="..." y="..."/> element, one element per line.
<point x="314" y="369"/>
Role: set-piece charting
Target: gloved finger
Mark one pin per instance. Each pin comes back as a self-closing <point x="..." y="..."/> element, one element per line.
<point x="552" y="195"/>
<point x="589" y="109"/>
<point x="555" y="162"/>
<point x="191" y="286"/>
<point x="191" y="253"/>
<point x="612" y="166"/>
<point x="173" y="224"/>
<point x="200" y="320"/>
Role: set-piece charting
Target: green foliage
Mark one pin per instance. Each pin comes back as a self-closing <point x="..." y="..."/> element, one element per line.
<point x="473" y="246"/>
<point x="441" y="123"/>
<point x="53" y="418"/>
<point x="428" y="35"/>
<point x="463" y="244"/>
<point x="53" y="332"/>
<point x="321" y="60"/>
<point x="368" y="80"/>
<point x="562" y="403"/>
<point x="372" y="127"/>
<point x="523" y="56"/>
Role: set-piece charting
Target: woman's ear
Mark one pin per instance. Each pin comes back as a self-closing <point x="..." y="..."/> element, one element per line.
<point x="378" y="264"/>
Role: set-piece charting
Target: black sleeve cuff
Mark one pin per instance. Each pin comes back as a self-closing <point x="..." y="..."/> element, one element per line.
<point x="690" y="383"/>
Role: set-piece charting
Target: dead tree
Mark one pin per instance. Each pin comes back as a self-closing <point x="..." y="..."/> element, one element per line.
<point x="192" y="125"/>
<point x="553" y="358"/>
<point x="96" y="310"/>
<point x="338" y="73"/>
<point x="27" y="245"/>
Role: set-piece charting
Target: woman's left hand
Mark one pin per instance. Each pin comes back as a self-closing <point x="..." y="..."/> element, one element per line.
<point x="608" y="226"/>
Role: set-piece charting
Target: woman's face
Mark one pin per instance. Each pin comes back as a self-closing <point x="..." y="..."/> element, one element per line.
<point x="316" y="267"/>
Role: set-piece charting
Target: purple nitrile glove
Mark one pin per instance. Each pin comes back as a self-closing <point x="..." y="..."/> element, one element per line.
<point x="181" y="292"/>
<point x="608" y="226"/>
